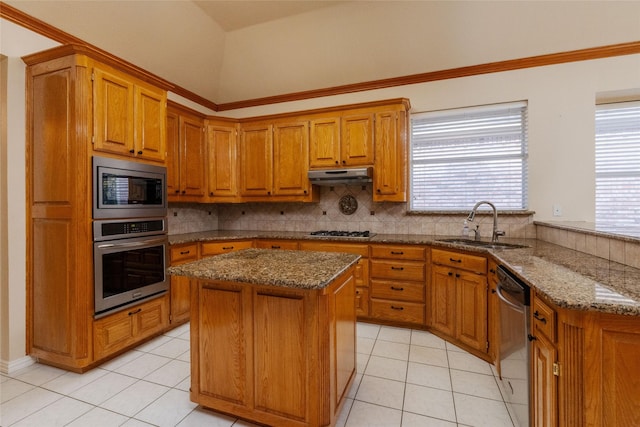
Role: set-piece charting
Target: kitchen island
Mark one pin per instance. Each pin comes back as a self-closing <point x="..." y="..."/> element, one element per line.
<point x="273" y="334"/>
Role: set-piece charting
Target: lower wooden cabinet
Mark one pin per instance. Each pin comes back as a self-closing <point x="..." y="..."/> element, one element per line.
<point x="458" y="298"/>
<point x="180" y="295"/>
<point x="398" y="283"/>
<point x="125" y="328"/>
<point x="278" y="356"/>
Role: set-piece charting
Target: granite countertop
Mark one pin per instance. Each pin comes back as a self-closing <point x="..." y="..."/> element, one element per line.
<point x="570" y="279"/>
<point x="293" y="269"/>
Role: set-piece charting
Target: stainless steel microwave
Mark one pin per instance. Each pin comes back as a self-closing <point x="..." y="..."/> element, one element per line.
<point x="125" y="189"/>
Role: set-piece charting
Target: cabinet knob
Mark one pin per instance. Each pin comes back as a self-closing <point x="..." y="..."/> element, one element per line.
<point x="337" y="162"/>
<point x="538" y="317"/>
<point x="132" y="151"/>
<point x="344" y="162"/>
<point x="184" y="191"/>
<point x="211" y="193"/>
<point x="140" y="152"/>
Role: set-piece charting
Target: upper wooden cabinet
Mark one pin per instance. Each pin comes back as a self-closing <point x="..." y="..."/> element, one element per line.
<point x="324" y="142"/>
<point x="273" y="161"/>
<point x="356" y="140"/>
<point x="222" y="161"/>
<point x="256" y="159"/>
<point x="129" y="115"/>
<point x="390" y="168"/>
<point x="186" y="153"/>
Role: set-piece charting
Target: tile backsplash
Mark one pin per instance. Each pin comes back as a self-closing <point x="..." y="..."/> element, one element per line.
<point x="191" y="218"/>
<point x="388" y="218"/>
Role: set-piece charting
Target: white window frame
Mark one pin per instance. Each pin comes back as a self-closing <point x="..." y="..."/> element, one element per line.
<point x="440" y="143"/>
<point x="617" y="153"/>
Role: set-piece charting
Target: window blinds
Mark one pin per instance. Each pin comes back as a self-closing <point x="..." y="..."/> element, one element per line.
<point x="460" y="157"/>
<point x="618" y="167"/>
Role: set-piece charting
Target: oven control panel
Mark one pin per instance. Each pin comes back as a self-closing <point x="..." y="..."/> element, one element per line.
<point x="119" y="229"/>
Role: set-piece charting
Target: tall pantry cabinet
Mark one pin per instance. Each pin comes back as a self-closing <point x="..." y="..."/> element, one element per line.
<point x="63" y="131"/>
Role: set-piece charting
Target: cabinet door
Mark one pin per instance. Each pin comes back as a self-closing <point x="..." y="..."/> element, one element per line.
<point x="389" y="179"/>
<point x="173" y="155"/>
<point x="192" y="167"/>
<point x="113" y="99"/>
<point x="443" y="299"/>
<point x="222" y="161"/>
<point x="356" y="142"/>
<point x="256" y="160"/>
<point x="471" y="310"/>
<point x="544" y="384"/>
<point x="324" y="144"/>
<point x="290" y="159"/>
<point x="150" y="115"/>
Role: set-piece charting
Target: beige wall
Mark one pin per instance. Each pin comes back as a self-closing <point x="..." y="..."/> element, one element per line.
<point x="14" y="43"/>
<point x="361" y="41"/>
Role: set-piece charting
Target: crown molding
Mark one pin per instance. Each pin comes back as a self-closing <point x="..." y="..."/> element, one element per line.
<point x="18" y="17"/>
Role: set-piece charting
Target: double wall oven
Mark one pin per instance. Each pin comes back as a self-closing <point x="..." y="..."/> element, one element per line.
<point x="130" y="243"/>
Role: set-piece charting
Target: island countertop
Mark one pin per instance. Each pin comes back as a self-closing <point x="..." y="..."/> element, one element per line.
<point x="287" y="268"/>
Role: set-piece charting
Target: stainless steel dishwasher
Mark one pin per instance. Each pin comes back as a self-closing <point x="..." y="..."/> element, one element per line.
<point x="514" y="298"/>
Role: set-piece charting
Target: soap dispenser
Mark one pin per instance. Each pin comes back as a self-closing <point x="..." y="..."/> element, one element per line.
<point x="465" y="229"/>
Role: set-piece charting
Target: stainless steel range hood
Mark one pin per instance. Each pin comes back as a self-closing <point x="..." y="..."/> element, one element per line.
<point x="351" y="176"/>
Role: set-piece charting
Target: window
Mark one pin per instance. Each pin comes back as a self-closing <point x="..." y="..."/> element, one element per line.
<point x="618" y="166"/>
<point x="459" y="157"/>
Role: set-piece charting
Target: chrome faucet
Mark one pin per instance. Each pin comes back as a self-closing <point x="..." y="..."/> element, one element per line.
<point x="496" y="233"/>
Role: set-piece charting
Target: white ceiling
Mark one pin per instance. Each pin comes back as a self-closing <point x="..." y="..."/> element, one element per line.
<point x="237" y="14"/>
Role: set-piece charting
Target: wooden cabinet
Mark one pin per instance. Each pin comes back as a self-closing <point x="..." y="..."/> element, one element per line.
<point x="345" y="140"/>
<point x="277" y="244"/>
<point x="458" y="292"/>
<point x="70" y="118"/>
<point x="493" y="315"/>
<point x="236" y="371"/>
<point x="273" y="162"/>
<point x="390" y="167"/>
<point x="180" y="300"/>
<point x="217" y="248"/>
<point x="186" y="153"/>
<point x="544" y="366"/>
<point x="125" y="328"/>
<point x="129" y="115"/>
<point x="256" y="159"/>
<point x="222" y="161"/>
<point x="290" y="159"/>
<point x="398" y="283"/>
<point x="361" y="273"/>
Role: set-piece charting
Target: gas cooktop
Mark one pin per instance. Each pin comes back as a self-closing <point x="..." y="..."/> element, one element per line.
<point x="340" y="233"/>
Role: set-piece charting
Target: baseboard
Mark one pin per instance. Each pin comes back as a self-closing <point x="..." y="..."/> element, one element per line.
<point x="9" y="367"/>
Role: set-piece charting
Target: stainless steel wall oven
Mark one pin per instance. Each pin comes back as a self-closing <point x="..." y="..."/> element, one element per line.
<point x="130" y="259"/>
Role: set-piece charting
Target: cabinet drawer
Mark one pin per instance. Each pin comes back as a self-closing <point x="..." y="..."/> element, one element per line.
<point x="398" y="252"/>
<point x="397" y="270"/>
<point x="183" y="253"/>
<point x="473" y="263"/>
<point x="397" y="311"/>
<point x="277" y="244"/>
<point x="127" y="327"/>
<point x="217" y="248"/>
<point x="544" y="319"/>
<point x="349" y="248"/>
<point x="401" y="291"/>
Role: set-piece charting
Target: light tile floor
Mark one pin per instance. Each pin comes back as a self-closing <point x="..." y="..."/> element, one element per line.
<point x="405" y="378"/>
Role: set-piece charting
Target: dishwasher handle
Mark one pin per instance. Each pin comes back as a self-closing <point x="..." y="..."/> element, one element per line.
<point x="518" y="307"/>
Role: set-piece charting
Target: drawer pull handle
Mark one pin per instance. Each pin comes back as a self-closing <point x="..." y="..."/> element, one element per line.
<point x="538" y="317"/>
<point x="396" y="289"/>
<point x="227" y="248"/>
<point x="397" y="253"/>
<point x="393" y="307"/>
<point x="397" y="268"/>
<point x="455" y="260"/>
<point x="275" y="247"/>
<point x="131" y="313"/>
<point x="184" y="252"/>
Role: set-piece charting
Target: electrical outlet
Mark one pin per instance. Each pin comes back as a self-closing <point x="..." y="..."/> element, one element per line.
<point x="557" y="210"/>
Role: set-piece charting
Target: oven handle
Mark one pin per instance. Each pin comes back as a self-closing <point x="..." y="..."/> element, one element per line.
<point x="517" y="307"/>
<point x="132" y="244"/>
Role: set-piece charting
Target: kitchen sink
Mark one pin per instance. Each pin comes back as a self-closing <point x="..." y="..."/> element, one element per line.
<point x="483" y="244"/>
